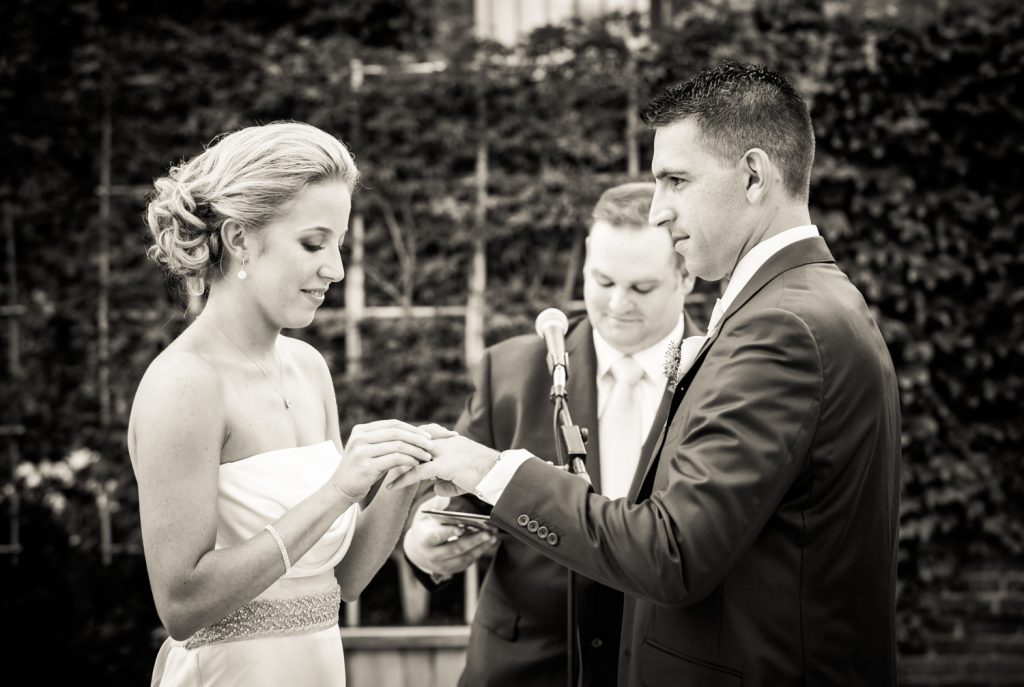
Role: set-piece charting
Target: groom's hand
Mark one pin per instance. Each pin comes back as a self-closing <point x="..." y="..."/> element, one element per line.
<point x="457" y="459"/>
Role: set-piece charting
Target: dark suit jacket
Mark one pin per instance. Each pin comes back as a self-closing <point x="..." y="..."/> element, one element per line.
<point x="760" y="548"/>
<point x="518" y="638"/>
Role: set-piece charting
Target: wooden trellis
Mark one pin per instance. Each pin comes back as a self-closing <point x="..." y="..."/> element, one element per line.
<point x="10" y="425"/>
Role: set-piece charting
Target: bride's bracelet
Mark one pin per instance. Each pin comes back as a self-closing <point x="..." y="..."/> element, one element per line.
<point x="280" y="545"/>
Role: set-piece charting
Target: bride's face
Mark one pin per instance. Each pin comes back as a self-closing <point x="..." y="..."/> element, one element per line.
<point x="299" y="254"/>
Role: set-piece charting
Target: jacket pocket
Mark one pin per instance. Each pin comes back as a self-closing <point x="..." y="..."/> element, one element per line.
<point x="497" y="615"/>
<point x="662" y="667"/>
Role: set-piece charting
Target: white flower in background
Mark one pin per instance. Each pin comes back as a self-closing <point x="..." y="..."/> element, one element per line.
<point x="59" y="471"/>
<point x="81" y="458"/>
<point x="28" y="474"/>
<point x="56" y="502"/>
<point x="64" y="473"/>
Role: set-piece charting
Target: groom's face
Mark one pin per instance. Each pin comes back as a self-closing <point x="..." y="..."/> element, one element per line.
<point x="700" y="200"/>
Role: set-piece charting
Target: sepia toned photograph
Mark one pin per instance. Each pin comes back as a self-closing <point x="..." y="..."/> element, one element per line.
<point x="512" y="343"/>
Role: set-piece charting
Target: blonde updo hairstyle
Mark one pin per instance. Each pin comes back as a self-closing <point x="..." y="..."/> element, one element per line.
<point x="246" y="176"/>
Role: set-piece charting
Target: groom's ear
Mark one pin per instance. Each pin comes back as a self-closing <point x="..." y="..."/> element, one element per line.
<point x="757" y="173"/>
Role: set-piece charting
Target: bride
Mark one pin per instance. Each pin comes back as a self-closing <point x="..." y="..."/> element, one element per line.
<point x="248" y="501"/>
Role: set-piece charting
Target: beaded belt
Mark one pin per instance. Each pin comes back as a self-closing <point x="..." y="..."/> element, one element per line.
<point x="272" y="618"/>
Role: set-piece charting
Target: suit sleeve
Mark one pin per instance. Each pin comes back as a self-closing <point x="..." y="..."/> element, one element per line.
<point x="747" y="435"/>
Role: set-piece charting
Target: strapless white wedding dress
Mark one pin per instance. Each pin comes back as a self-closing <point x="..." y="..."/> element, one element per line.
<point x="289" y="634"/>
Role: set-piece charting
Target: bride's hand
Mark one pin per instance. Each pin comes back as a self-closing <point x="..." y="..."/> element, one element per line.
<point x="436" y="432"/>
<point x="373" y="449"/>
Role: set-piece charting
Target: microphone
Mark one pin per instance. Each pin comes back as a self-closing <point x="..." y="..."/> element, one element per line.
<point x="552" y="325"/>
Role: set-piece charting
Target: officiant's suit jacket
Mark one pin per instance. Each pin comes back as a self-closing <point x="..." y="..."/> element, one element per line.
<point x="759" y="547"/>
<point x="518" y="638"/>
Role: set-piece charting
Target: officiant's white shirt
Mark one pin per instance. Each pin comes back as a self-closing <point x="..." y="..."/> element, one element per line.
<point x="492" y="486"/>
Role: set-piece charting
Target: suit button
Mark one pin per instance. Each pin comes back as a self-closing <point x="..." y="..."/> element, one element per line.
<point x="596" y="642"/>
<point x="542" y="532"/>
<point x="532" y="526"/>
<point x="522" y="520"/>
<point x="553" y="539"/>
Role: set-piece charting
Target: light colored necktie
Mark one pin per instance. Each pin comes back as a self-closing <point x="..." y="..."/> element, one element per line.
<point x="621" y="429"/>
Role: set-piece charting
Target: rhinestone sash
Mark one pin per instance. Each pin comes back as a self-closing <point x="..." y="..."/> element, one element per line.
<point x="272" y="618"/>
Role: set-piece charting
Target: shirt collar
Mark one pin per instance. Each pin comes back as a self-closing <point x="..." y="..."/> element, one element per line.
<point x="651" y="359"/>
<point x="757" y="256"/>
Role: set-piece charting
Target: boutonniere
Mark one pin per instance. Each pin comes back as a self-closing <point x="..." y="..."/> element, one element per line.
<point x="671" y="367"/>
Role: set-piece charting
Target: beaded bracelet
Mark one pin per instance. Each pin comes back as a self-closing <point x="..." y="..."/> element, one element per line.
<point x="280" y="545"/>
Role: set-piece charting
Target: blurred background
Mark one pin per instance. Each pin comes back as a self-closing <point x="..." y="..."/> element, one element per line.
<point x="485" y="130"/>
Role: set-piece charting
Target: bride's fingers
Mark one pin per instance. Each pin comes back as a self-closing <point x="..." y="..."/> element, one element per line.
<point x="389" y="424"/>
<point x="395" y="460"/>
<point x="417" y="474"/>
<point x="416" y="438"/>
<point x="387" y="447"/>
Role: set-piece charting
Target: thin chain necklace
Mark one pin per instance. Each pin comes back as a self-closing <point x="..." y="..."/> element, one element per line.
<point x="287" y="403"/>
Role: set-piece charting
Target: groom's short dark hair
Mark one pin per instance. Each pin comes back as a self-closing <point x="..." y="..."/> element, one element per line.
<point x="738" y="106"/>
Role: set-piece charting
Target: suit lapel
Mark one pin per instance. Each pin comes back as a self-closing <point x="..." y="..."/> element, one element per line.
<point x="582" y="390"/>
<point x="803" y="252"/>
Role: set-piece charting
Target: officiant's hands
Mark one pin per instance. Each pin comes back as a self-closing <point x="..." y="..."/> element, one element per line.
<point x="457" y="460"/>
<point x="443" y="550"/>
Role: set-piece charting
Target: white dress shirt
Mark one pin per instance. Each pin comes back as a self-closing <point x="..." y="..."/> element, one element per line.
<point x="651" y="389"/>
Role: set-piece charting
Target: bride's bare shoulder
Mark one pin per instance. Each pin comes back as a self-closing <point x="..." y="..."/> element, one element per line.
<point x="180" y="368"/>
<point x="180" y="386"/>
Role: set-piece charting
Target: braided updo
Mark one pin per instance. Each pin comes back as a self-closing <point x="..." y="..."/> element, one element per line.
<point x="247" y="175"/>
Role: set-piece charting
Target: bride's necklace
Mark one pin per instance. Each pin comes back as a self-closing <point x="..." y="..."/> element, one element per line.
<point x="280" y="366"/>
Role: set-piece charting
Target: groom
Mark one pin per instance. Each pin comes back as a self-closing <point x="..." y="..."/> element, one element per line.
<point x="759" y="549"/>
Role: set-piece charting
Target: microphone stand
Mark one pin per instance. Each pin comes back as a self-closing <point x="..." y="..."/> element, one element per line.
<point x="570" y="444"/>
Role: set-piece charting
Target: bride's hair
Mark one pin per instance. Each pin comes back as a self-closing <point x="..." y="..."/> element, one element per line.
<point x="247" y="176"/>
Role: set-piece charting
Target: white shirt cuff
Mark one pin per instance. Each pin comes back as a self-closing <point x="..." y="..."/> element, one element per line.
<point x="492" y="486"/>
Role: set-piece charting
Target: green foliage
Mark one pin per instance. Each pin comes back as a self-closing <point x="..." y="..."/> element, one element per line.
<point x="916" y="187"/>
